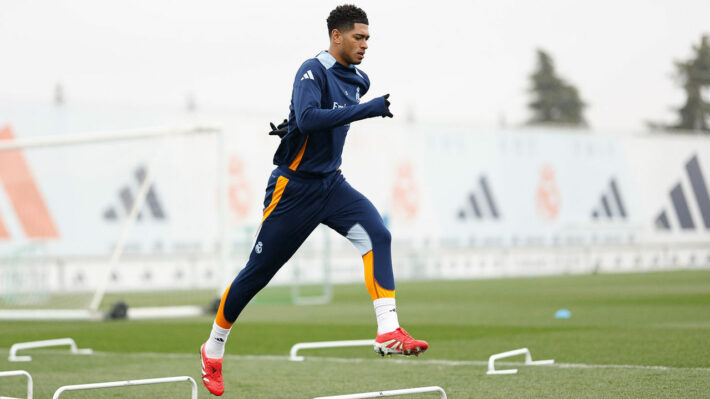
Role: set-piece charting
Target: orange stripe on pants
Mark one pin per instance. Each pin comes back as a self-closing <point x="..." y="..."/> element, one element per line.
<point x="376" y="291"/>
<point x="276" y="196"/>
<point x="220" y="320"/>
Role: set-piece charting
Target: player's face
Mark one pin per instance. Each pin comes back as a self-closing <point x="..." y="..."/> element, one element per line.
<point x="355" y="43"/>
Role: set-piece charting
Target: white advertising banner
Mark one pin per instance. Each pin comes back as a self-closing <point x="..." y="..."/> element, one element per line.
<point x="459" y="202"/>
<point x="544" y="187"/>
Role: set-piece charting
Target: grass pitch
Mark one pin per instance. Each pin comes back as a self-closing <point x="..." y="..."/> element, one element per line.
<point x="630" y="336"/>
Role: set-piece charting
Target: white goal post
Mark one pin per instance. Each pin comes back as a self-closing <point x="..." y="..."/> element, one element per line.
<point x="98" y="217"/>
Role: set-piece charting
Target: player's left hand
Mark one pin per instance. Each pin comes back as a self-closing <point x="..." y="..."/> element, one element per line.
<point x="387" y="107"/>
<point x="279" y="130"/>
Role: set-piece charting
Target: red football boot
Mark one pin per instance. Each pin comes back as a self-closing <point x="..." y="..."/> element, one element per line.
<point x="398" y="342"/>
<point x="212" y="373"/>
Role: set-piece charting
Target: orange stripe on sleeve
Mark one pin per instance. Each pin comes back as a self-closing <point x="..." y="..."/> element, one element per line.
<point x="299" y="156"/>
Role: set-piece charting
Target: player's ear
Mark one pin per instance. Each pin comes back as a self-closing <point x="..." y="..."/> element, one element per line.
<point x="336" y="36"/>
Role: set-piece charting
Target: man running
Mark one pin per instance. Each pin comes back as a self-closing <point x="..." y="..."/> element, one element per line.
<point x="307" y="188"/>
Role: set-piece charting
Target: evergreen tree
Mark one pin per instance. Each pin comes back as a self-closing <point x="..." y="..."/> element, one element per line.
<point x="555" y="101"/>
<point x="694" y="75"/>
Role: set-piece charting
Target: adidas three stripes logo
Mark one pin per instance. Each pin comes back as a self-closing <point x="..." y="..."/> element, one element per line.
<point x="481" y="203"/>
<point x="127" y="196"/>
<point x="681" y="207"/>
<point x="611" y="204"/>
<point x="308" y="75"/>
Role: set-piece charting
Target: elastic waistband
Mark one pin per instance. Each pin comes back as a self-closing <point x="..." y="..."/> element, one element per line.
<point x="305" y="176"/>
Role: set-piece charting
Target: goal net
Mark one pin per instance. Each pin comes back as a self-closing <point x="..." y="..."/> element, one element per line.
<point x="89" y="222"/>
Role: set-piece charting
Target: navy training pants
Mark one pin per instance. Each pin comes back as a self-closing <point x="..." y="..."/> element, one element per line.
<point x="294" y="206"/>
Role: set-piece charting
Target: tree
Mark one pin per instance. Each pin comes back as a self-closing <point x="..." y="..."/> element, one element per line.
<point x="555" y="101"/>
<point x="694" y="76"/>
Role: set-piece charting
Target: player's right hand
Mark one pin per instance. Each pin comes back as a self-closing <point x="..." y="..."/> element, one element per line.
<point x="279" y="130"/>
<point x="387" y="107"/>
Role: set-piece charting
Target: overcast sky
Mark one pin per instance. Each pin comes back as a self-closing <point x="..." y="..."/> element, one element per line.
<point x="455" y="61"/>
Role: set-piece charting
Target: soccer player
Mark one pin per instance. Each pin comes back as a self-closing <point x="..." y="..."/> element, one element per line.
<point x="307" y="188"/>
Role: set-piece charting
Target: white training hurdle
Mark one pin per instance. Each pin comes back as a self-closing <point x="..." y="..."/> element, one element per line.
<point x="325" y="344"/>
<point x="19" y="373"/>
<point x="127" y="383"/>
<point x="43" y="344"/>
<point x="522" y="351"/>
<point x="396" y="392"/>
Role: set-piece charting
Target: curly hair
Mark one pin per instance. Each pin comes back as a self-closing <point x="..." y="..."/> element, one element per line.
<point x="344" y="18"/>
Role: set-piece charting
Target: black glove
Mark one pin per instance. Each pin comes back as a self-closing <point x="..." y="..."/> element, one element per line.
<point x="387" y="105"/>
<point x="279" y="130"/>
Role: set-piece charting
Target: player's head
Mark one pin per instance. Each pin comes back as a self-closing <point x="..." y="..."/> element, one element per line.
<point x="347" y="28"/>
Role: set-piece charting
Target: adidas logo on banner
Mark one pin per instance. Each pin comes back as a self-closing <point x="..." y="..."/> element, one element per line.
<point x="127" y="196"/>
<point x="681" y="206"/>
<point x="611" y="205"/>
<point x="308" y="75"/>
<point x="481" y="204"/>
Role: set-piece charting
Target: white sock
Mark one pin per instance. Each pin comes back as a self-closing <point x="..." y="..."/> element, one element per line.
<point x="386" y="313"/>
<point x="214" y="347"/>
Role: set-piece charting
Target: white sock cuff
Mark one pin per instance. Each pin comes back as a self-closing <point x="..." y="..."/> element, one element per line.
<point x="216" y="328"/>
<point x="383" y="302"/>
<point x="386" y="314"/>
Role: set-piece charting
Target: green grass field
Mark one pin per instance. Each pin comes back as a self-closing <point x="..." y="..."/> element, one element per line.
<point x="630" y="336"/>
